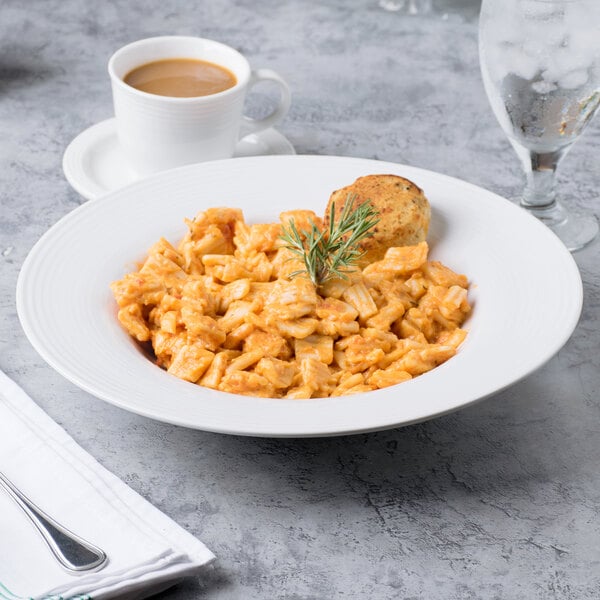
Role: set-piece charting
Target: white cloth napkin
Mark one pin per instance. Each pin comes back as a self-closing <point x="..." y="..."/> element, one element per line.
<point x="147" y="550"/>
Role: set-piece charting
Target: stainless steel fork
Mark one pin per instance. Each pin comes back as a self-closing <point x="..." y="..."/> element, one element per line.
<point x="74" y="554"/>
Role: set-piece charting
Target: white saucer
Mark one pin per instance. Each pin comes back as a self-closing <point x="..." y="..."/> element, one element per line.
<point x="94" y="163"/>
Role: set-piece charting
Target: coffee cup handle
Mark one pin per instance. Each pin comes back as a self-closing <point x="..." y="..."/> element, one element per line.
<point x="248" y="125"/>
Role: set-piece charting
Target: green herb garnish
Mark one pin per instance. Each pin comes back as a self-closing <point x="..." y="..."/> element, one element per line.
<point x="332" y="252"/>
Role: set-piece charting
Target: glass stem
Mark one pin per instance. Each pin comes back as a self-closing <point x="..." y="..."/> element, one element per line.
<point x="540" y="170"/>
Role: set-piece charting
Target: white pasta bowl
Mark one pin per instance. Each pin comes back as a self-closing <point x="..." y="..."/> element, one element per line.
<point x="525" y="290"/>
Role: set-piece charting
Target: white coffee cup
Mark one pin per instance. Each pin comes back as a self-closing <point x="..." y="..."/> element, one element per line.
<point x="161" y="132"/>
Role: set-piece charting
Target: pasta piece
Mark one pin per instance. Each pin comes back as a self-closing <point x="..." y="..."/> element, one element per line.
<point x="192" y="259"/>
<point x="420" y="321"/>
<point x="386" y="316"/>
<point x="331" y="309"/>
<point x="404" y="259"/>
<point x="374" y="278"/>
<point x="397" y="291"/>
<point x="385" y="377"/>
<point x="165" y="248"/>
<point x="452" y="338"/>
<point x="190" y="362"/>
<point x="329" y="328"/>
<point x="236" y="314"/>
<point x="408" y="330"/>
<point x="337" y="329"/>
<point x="131" y="318"/>
<point x="197" y="297"/>
<point x="291" y="299"/>
<point x="138" y="288"/>
<point x="285" y="262"/>
<point x="303" y="219"/>
<point x="259" y="292"/>
<point x="348" y="383"/>
<point x="236" y="337"/>
<point x="169" y="303"/>
<point x="246" y="383"/>
<point x="383" y="339"/>
<point x="213" y="241"/>
<point x="398" y="351"/>
<point x="455" y="305"/>
<point x="241" y="237"/>
<point x="226" y="268"/>
<point x="358" y="296"/>
<point x="299" y="328"/>
<point x="439" y="274"/>
<point x="357" y="389"/>
<point x="236" y="290"/>
<point x="169" y="321"/>
<point x="441" y="321"/>
<point x="279" y="373"/>
<point x="213" y="375"/>
<point x="360" y="353"/>
<point x="400" y="260"/>
<point x="334" y="288"/>
<point x="212" y="260"/>
<point x="204" y="329"/>
<point x="160" y="266"/>
<point x="255" y="263"/>
<point x="260" y="237"/>
<point x="416" y="285"/>
<point x="417" y="362"/>
<point x="315" y="346"/>
<point x="301" y="392"/>
<point x="272" y="344"/>
<point x="245" y="360"/>
<point x="316" y="376"/>
<point x="224" y="218"/>
<point x="166" y="345"/>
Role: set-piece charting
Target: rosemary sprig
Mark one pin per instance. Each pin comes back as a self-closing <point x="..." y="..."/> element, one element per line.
<point x="332" y="252"/>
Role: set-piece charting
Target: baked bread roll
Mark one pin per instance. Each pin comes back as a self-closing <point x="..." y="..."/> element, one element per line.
<point x="404" y="212"/>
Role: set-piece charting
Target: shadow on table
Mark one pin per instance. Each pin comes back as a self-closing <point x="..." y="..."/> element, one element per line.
<point x="21" y="67"/>
<point x="467" y="9"/>
<point x="211" y="578"/>
<point x="472" y="6"/>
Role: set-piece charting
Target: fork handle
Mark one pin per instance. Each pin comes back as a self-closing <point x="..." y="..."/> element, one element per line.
<point x="74" y="554"/>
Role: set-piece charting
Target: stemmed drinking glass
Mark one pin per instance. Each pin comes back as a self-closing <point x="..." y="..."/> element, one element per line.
<point x="540" y="61"/>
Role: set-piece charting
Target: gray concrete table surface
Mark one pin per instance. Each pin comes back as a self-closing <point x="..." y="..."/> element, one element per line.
<point x="497" y="501"/>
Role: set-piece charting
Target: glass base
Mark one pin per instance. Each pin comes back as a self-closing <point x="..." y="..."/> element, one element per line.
<point x="575" y="231"/>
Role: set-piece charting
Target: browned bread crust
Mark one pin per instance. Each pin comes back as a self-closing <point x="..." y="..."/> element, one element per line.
<point x="404" y="212"/>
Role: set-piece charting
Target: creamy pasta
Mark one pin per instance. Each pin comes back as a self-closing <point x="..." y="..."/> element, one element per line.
<point x="221" y="310"/>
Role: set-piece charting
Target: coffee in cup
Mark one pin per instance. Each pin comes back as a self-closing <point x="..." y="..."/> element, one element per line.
<point x="163" y="119"/>
<point x="181" y="78"/>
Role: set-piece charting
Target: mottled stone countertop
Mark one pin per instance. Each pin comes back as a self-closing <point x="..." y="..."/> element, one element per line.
<point x="497" y="501"/>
